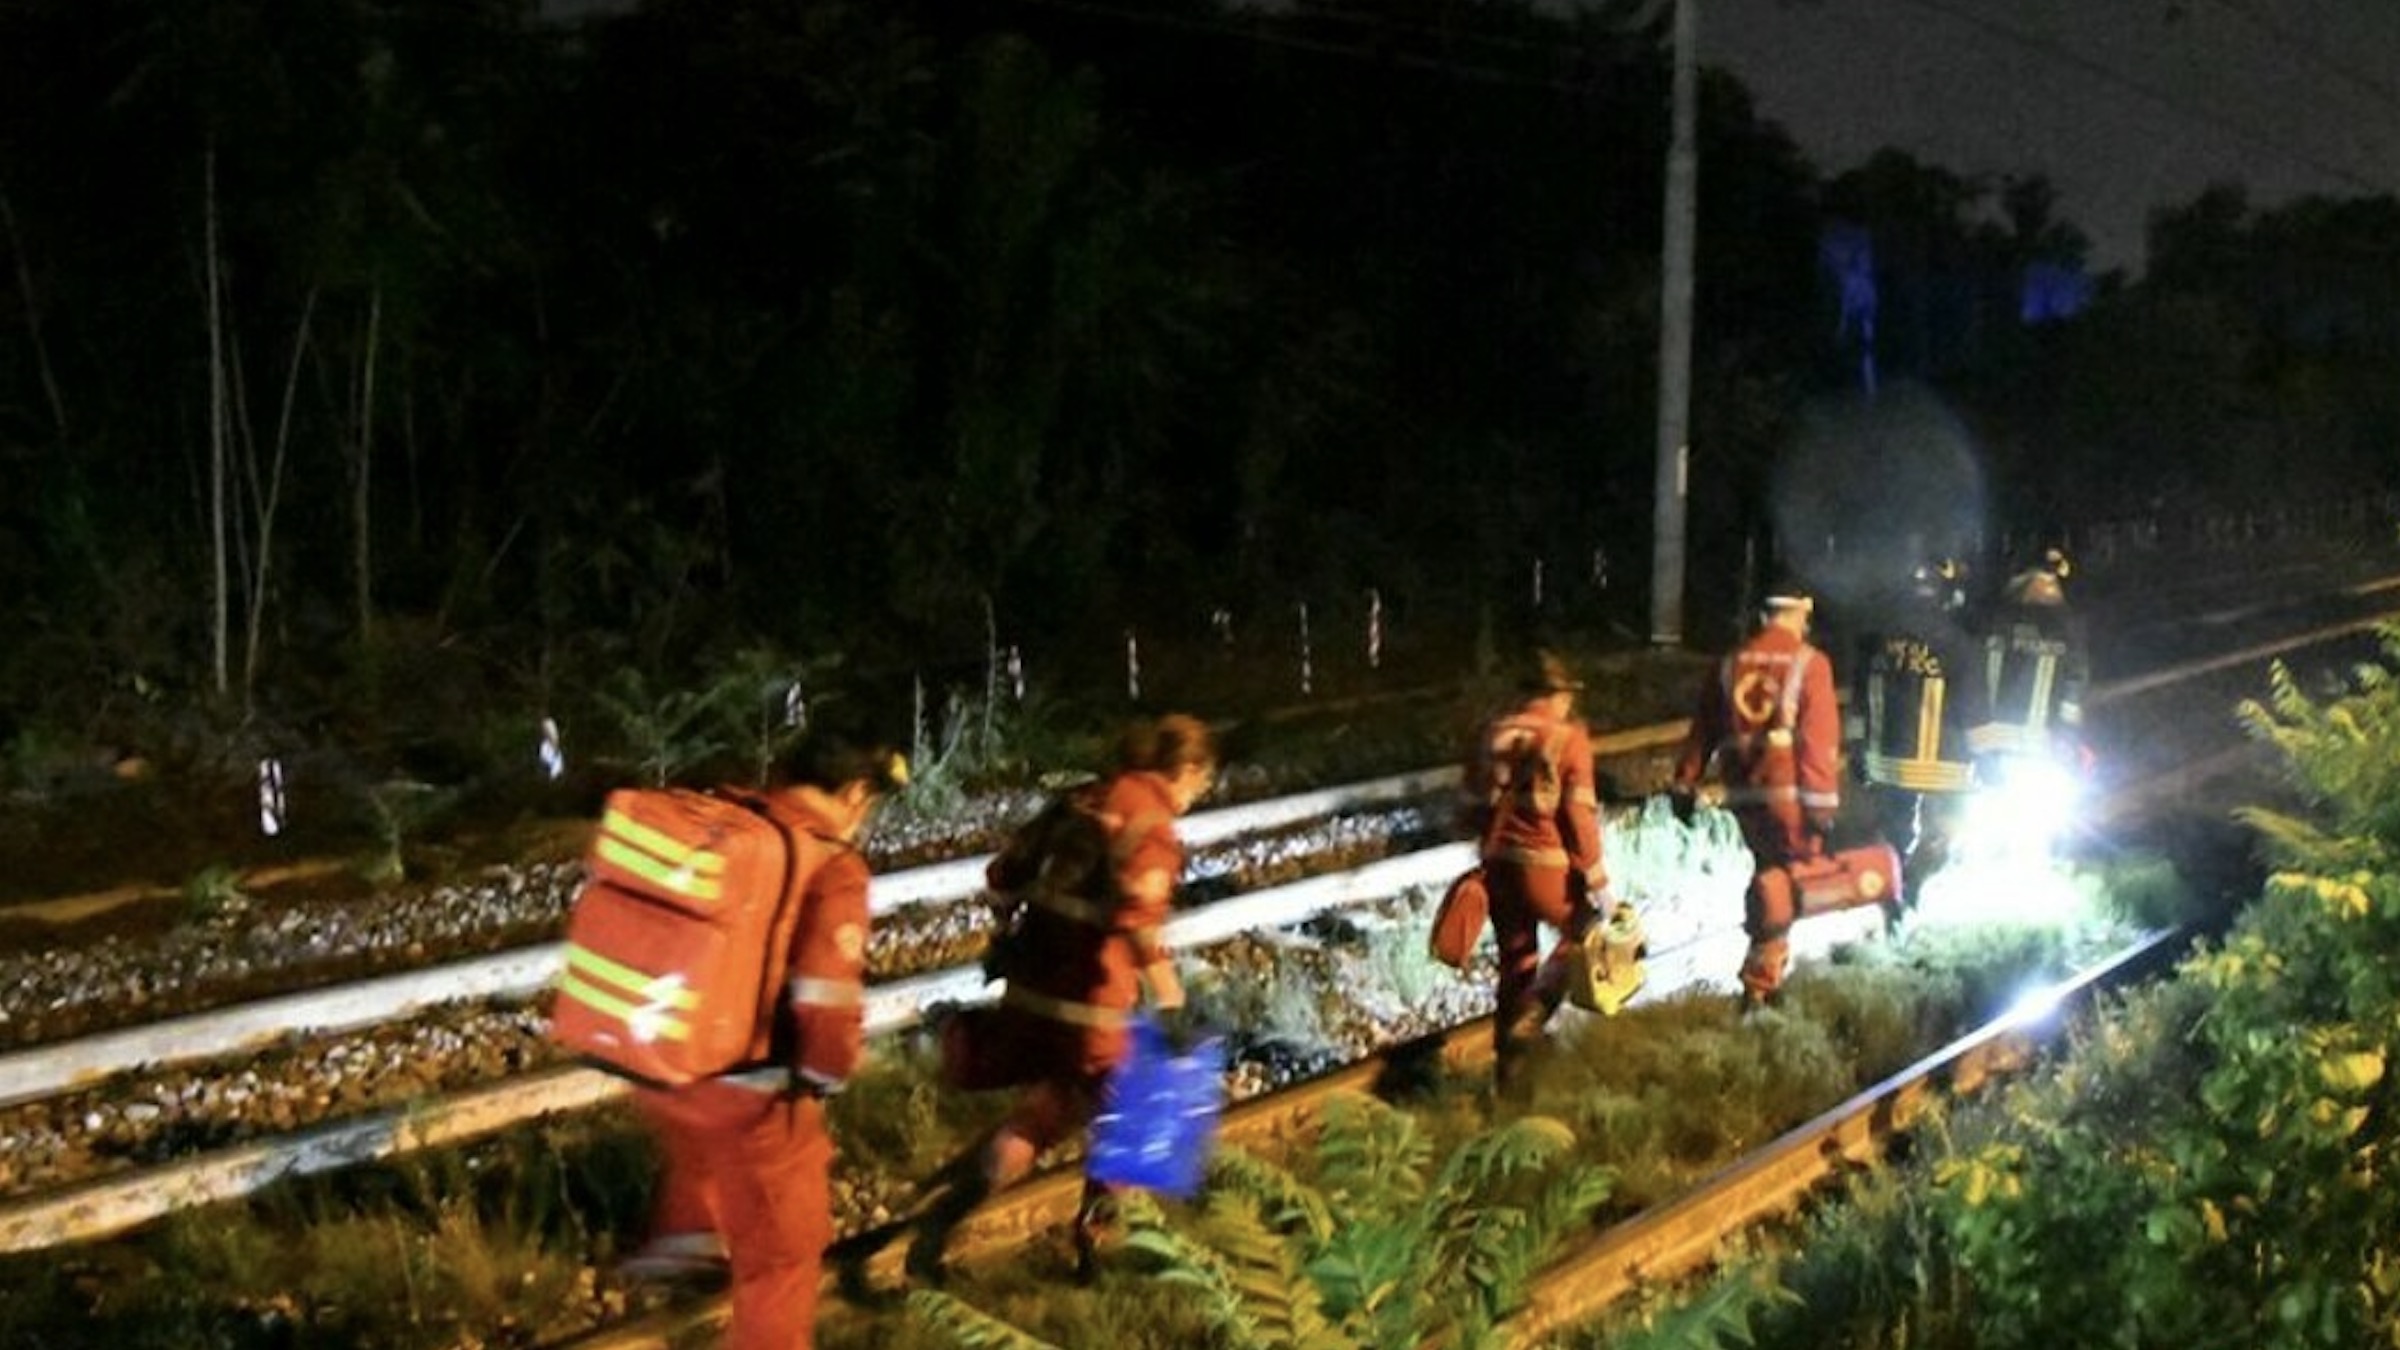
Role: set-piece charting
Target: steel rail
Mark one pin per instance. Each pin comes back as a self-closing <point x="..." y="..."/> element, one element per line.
<point x="104" y="1207"/>
<point x="101" y="1208"/>
<point x="1674" y="1239"/>
<point x="1014" y="1217"/>
<point x="2229" y="615"/>
<point x="1663" y="1241"/>
<point x="49" y="1070"/>
<point x="2159" y="679"/>
<point x="43" y="1071"/>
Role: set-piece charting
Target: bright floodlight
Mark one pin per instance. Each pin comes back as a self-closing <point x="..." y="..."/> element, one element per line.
<point x="2023" y="814"/>
<point x="1990" y="890"/>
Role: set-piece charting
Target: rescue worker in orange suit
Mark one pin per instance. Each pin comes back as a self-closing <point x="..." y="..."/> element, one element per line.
<point x="1534" y="804"/>
<point x="1066" y="1009"/>
<point x="747" y="1153"/>
<point x="1768" y="722"/>
<point x="2037" y="665"/>
<point x="1921" y="690"/>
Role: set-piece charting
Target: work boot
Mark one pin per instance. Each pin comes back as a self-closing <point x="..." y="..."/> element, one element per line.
<point x="1099" y="1229"/>
<point x="967" y="1189"/>
<point x="1531" y="1023"/>
<point x="1515" y="1064"/>
<point x="1511" y="1083"/>
<point x="677" y="1258"/>
<point x="1530" y="1027"/>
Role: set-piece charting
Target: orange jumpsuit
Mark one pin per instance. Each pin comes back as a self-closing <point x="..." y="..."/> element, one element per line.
<point x="1536" y="805"/>
<point x="747" y="1153"/>
<point x="1768" y="719"/>
<point x="1067" y="1015"/>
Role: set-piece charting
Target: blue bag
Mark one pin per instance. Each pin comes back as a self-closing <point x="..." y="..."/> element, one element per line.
<point x="1158" y="1115"/>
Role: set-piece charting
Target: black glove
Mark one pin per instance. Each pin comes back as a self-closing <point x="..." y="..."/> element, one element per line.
<point x="1685" y="801"/>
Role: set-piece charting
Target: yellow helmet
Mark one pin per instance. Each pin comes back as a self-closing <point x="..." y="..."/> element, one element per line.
<point x="2037" y="587"/>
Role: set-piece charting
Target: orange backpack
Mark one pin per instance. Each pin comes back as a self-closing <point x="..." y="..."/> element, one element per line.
<point x="677" y="943"/>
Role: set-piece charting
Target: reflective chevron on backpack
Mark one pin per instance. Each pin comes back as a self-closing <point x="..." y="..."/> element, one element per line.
<point x="677" y="942"/>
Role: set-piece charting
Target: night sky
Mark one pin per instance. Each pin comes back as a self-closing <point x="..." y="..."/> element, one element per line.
<point x="2126" y="105"/>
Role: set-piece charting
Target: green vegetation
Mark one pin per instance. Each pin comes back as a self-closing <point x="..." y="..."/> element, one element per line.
<point x="556" y="371"/>
<point x="1365" y="1244"/>
<point x="402" y="810"/>
<point x="2207" y="1167"/>
<point x="214" y="894"/>
<point x="1648" y="1100"/>
<point x="490" y="1246"/>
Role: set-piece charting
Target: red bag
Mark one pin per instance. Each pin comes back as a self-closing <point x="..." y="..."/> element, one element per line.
<point x="1867" y="875"/>
<point x="1458" y="921"/>
<point x="675" y="946"/>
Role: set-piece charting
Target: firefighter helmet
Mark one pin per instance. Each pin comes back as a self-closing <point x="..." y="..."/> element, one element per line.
<point x="1940" y="582"/>
<point x="2036" y="586"/>
<point x="1788" y="593"/>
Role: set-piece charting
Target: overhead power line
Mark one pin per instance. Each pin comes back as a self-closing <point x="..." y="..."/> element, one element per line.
<point x="2376" y="88"/>
<point x="1277" y="30"/>
<point x="2106" y="74"/>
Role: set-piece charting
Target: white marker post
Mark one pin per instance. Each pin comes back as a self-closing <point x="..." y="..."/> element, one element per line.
<point x="1307" y="662"/>
<point x="270" y="797"/>
<point x="553" y="751"/>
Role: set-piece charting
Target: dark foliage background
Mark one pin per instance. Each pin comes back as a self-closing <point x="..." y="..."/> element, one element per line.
<point x="385" y="373"/>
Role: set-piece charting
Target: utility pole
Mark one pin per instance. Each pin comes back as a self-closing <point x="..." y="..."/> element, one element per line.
<point x="1675" y="335"/>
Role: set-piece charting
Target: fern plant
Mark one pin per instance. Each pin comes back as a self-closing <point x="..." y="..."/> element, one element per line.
<point x="1372" y="1245"/>
<point x="1378" y="1247"/>
<point x="1723" y="1315"/>
<point x="214" y="894"/>
<point x="2338" y="755"/>
<point x="401" y="808"/>
<point x="966" y="1325"/>
<point x="762" y="703"/>
<point x="669" y="732"/>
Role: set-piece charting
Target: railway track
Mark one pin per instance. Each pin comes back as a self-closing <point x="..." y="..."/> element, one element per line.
<point x="1666" y="1241"/>
<point x="1672" y="1240"/>
<point x="93" y="1210"/>
<point x="100" y="1208"/>
<point x="29" y="1073"/>
<point x="89" y="1209"/>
